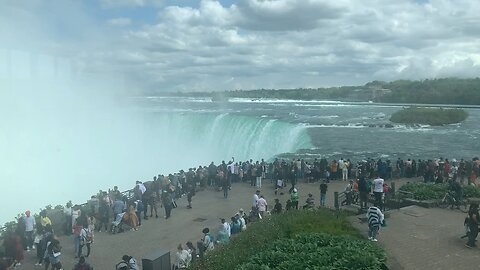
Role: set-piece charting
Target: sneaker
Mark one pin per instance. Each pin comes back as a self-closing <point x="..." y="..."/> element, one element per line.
<point x="33" y="247"/>
<point x="370" y="238"/>
<point x="468" y="246"/>
<point x="374" y="240"/>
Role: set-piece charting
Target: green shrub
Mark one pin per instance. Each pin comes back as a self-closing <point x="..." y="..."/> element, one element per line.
<point x="432" y="191"/>
<point x="318" y="251"/>
<point x="429" y="116"/>
<point x="260" y="235"/>
<point x="425" y="191"/>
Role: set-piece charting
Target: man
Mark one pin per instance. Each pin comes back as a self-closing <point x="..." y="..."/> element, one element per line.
<point x="378" y="190"/>
<point x="323" y="192"/>
<point x="363" y="190"/>
<point x="29" y="226"/>
<point x="375" y="219"/>
<point x="310" y="203"/>
<point x="473" y="218"/>
<point x="67" y="212"/>
<point x="118" y="207"/>
<point x="226" y="225"/>
<point x="255" y="199"/>
<point x="262" y="206"/>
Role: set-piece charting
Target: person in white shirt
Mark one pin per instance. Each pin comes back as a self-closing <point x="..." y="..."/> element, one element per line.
<point x="182" y="258"/>
<point x="226" y="225"/>
<point x="262" y="206"/>
<point x="29" y="227"/>
<point x="378" y="191"/>
<point x="255" y="199"/>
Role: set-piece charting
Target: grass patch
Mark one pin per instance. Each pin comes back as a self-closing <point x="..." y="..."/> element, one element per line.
<point x="429" y="116"/>
<point x="262" y="235"/>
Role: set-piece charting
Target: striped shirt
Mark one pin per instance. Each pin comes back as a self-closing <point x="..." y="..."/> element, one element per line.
<point x="375" y="216"/>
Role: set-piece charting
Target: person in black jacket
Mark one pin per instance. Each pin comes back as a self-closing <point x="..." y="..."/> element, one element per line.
<point x="473" y="218"/>
<point x="363" y="190"/>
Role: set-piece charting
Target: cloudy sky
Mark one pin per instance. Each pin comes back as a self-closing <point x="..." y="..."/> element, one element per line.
<point x="189" y="45"/>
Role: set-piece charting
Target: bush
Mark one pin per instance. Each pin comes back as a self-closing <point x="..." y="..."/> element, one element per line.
<point x="260" y="235"/>
<point x="429" y="116"/>
<point x="318" y="251"/>
<point x="432" y="191"/>
<point x="425" y="191"/>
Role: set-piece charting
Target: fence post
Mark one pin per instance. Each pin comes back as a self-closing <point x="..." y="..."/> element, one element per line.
<point x="336" y="203"/>
<point x="393" y="189"/>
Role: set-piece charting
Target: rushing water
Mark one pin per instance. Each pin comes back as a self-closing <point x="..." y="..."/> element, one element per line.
<point x="49" y="159"/>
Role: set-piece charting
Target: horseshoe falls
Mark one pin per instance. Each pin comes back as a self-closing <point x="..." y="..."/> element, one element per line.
<point x="210" y="137"/>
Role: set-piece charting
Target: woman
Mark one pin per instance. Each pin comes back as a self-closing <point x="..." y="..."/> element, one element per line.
<point x="182" y="258"/>
<point x="133" y="217"/>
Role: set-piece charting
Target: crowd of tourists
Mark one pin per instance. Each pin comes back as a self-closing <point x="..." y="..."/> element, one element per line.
<point x="114" y="211"/>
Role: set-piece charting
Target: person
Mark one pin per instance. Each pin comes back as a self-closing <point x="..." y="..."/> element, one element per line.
<point x="235" y="226"/>
<point x="294" y="198"/>
<point x="30" y="224"/>
<point x="206" y="244"/>
<point x="378" y="190"/>
<point x="190" y="194"/>
<point x="310" y="202"/>
<point x="348" y="193"/>
<point x="118" y="207"/>
<point x="473" y="220"/>
<point x="255" y="199"/>
<point x="192" y="251"/>
<point x="277" y="208"/>
<point x="457" y="191"/>
<point x="82" y="265"/>
<point x="242" y="218"/>
<point x="86" y="238"/>
<point x="375" y="219"/>
<point x="227" y="226"/>
<point x="262" y="206"/>
<point x="167" y="203"/>
<point x="103" y="216"/>
<point x="44" y="220"/>
<point x="131" y="262"/>
<point x="138" y="205"/>
<point x="182" y="258"/>
<point x="132" y="216"/>
<point x="222" y="235"/>
<point x="76" y="212"/>
<point x="54" y="254"/>
<point x="67" y="212"/>
<point x="323" y="192"/>
<point x="363" y="190"/>
<point x="77" y="229"/>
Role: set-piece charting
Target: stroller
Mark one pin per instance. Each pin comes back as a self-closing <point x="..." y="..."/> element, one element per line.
<point x="117" y="224"/>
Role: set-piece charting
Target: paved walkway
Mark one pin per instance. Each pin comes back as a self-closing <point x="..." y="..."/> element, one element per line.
<point x="186" y="225"/>
<point x="425" y="238"/>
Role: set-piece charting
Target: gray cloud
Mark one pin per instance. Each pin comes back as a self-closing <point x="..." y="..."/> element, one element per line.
<point x="255" y="43"/>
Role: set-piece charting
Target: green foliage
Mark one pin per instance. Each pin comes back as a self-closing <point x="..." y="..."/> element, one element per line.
<point x="471" y="192"/>
<point x="437" y="91"/>
<point x="429" y="116"/>
<point x="261" y="234"/>
<point x="318" y="251"/>
<point x="432" y="191"/>
<point x="425" y="191"/>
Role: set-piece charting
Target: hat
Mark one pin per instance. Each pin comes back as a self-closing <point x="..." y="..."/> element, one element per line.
<point x="240" y="210"/>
